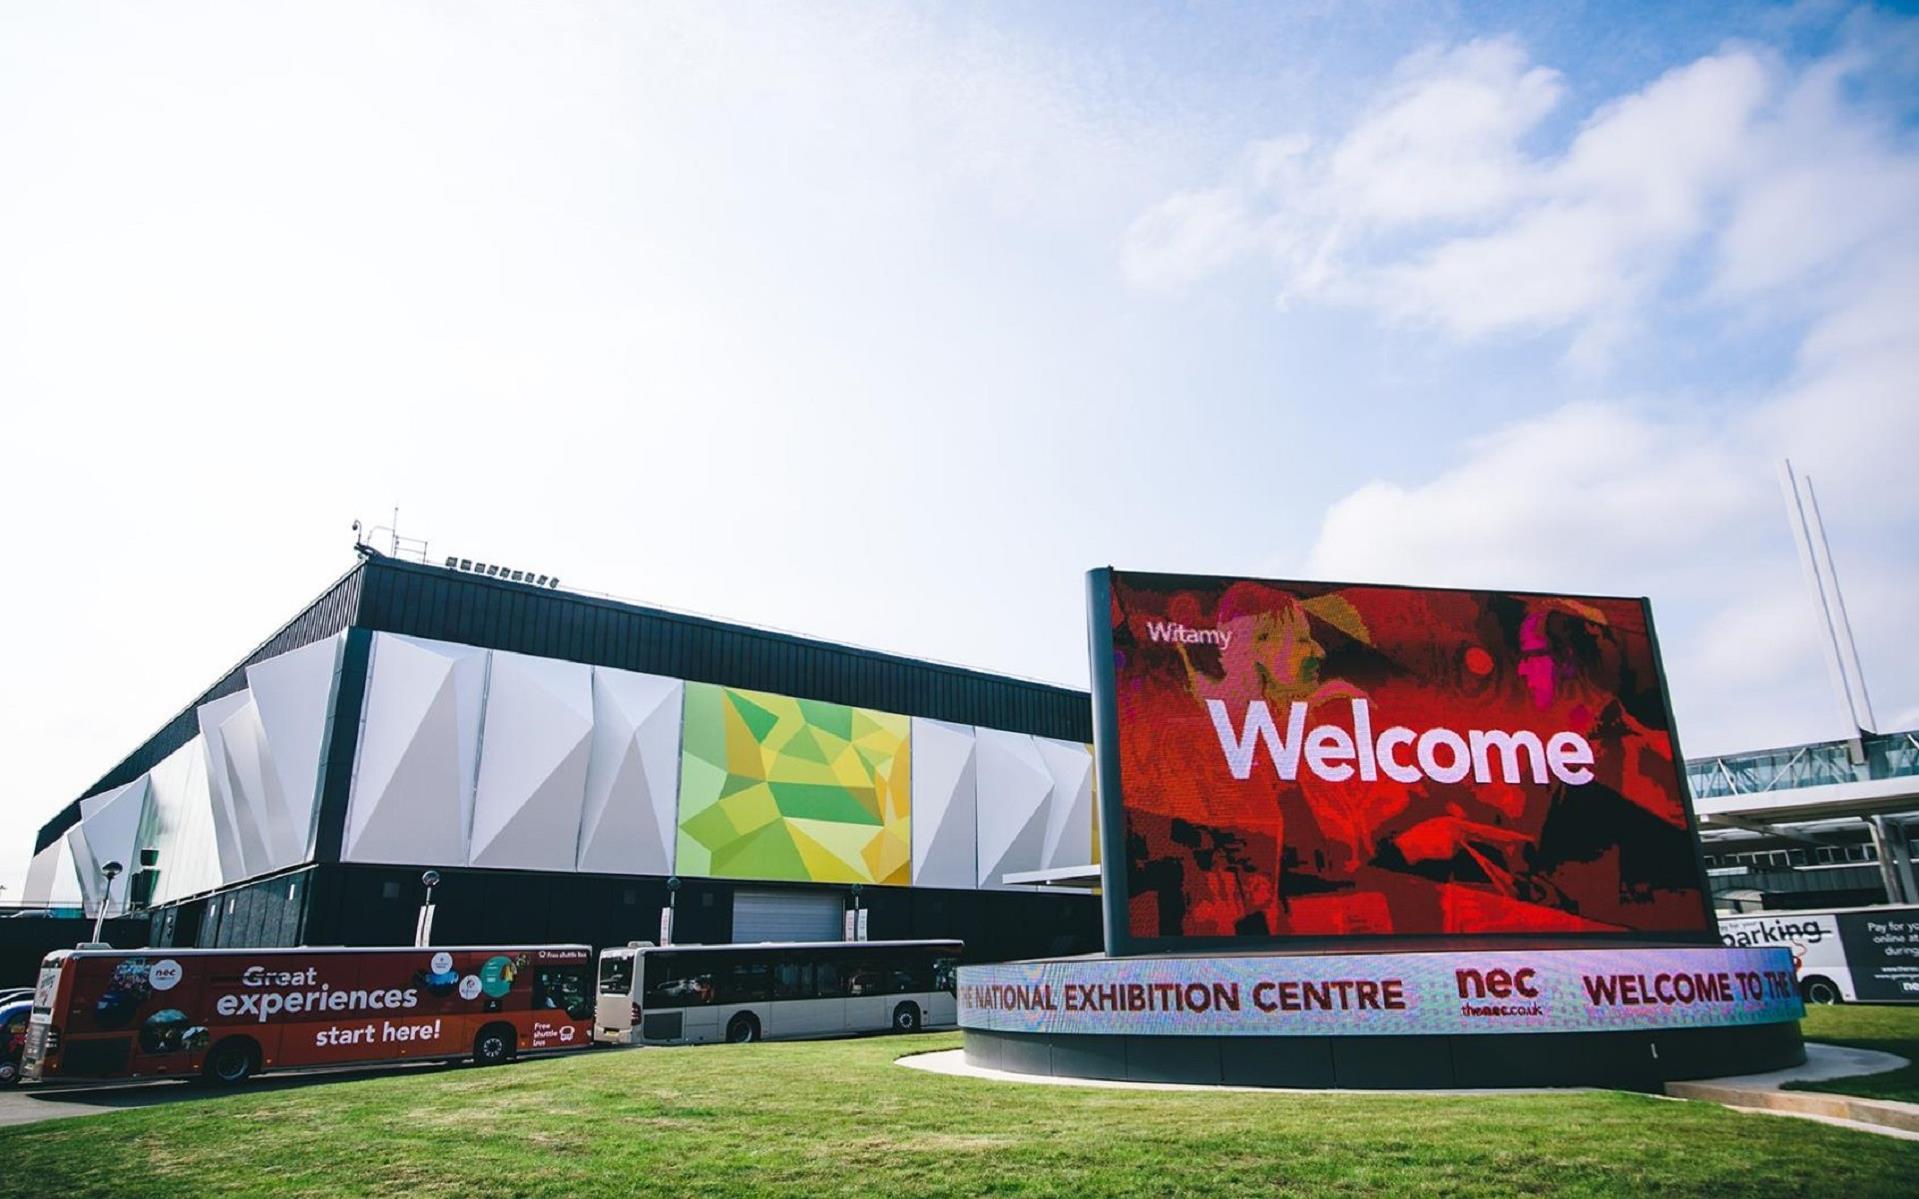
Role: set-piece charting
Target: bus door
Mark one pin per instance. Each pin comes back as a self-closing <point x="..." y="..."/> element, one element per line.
<point x="47" y="997"/>
<point x="562" y="1001"/>
<point x="944" y="999"/>
<point x="869" y="991"/>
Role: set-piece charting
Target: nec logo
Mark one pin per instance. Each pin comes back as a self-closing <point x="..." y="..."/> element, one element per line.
<point x="1496" y="984"/>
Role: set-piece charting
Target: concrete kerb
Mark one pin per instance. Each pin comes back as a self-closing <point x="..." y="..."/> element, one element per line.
<point x="1764" y="1092"/>
<point x="1753" y="1092"/>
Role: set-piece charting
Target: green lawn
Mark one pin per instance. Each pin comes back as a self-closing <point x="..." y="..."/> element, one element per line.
<point x="841" y="1118"/>
<point x="1886" y="1028"/>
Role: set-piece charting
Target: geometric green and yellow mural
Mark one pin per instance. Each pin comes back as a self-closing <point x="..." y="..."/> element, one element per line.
<point x="779" y="788"/>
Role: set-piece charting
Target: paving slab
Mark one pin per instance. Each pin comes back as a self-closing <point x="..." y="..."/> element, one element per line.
<point x="1765" y="1093"/>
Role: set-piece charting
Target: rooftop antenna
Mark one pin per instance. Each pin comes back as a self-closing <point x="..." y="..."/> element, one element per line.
<point x="398" y="546"/>
<point x="1815" y="555"/>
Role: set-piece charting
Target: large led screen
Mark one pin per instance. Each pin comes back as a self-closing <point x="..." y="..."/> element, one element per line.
<point x="1331" y="760"/>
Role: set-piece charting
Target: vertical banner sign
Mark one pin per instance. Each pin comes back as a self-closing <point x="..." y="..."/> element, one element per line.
<point x="859" y="929"/>
<point x="666" y="925"/>
<point x="1283" y="760"/>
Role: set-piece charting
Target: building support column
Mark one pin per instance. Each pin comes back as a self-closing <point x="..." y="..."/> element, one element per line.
<point x="1892" y="839"/>
<point x="1898" y="888"/>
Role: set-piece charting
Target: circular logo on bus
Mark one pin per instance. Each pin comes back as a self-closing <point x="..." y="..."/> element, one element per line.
<point x="165" y="975"/>
<point x="470" y="987"/>
<point x="496" y="976"/>
<point x="442" y="963"/>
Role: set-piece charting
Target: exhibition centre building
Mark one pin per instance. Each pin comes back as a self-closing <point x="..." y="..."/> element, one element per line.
<point x="570" y="766"/>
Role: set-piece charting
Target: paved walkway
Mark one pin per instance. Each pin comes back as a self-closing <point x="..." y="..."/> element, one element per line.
<point x="1765" y="1093"/>
<point x="31" y="1103"/>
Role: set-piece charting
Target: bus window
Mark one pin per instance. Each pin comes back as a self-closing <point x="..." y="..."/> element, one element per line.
<point x="946" y="975"/>
<point x="616" y="975"/>
<point x="746" y="982"/>
<point x="678" y="980"/>
<point x="912" y="973"/>
<point x="563" y="988"/>
<point x="829" y="980"/>
<point x="869" y="978"/>
<point x="793" y="980"/>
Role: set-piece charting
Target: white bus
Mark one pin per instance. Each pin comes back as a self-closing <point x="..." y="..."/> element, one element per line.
<point x="691" y="994"/>
<point x="1842" y="955"/>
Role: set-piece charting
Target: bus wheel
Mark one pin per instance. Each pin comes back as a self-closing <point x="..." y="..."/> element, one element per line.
<point x="496" y="1044"/>
<point x="1818" y="989"/>
<point x="743" y="1028"/>
<point x="232" y="1061"/>
<point x="9" y="1073"/>
<point x="906" y="1018"/>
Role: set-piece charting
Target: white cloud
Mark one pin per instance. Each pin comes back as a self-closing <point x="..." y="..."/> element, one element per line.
<point x="1564" y="500"/>
<point x="1685" y="506"/>
<point x="1612" y="499"/>
<point x="1432" y="209"/>
<point x="1802" y="209"/>
<point x="1442" y="143"/>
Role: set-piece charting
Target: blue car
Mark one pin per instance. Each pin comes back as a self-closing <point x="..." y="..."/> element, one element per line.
<point x="13" y="1038"/>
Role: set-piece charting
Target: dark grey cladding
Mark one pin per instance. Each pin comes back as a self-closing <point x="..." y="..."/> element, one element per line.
<point x="392" y="596"/>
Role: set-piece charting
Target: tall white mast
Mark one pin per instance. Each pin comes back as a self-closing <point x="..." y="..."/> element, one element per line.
<point x="1815" y="555"/>
<point x="1855" y="675"/>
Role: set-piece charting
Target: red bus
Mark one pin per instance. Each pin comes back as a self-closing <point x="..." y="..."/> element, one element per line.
<point x="225" y="1014"/>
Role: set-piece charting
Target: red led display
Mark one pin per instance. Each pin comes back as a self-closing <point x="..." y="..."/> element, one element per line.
<point x="1333" y="760"/>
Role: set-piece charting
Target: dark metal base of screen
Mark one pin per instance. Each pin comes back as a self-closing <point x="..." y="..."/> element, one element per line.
<point x="1630" y="1061"/>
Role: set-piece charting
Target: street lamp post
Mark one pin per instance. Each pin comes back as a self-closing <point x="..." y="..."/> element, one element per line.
<point x="423" y="927"/>
<point x="672" y="910"/>
<point x="110" y="871"/>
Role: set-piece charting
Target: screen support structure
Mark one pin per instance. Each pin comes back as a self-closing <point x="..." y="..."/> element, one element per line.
<point x="1112" y="811"/>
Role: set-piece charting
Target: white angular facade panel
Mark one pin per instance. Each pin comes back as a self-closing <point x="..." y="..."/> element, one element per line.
<point x="37" y="890"/>
<point x="80" y="868"/>
<point x="212" y="716"/>
<point x="246" y="774"/>
<point x="109" y="832"/>
<point x="181" y="826"/>
<point x="55" y="865"/>
<point x="1015" y="788"/>
<point x="536" y="737"/>
<point x="945" y="805"/>
<point x="629" y="822"/>
<point x="1069" y="814"/>
<point x="413" y="779"/>
<point x="293" y="698"/>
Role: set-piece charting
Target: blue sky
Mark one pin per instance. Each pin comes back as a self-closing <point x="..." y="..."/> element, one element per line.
<point x="885" y="323"/>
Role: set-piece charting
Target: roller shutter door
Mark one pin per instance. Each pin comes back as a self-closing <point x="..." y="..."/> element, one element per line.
<point x="788" y="916"/>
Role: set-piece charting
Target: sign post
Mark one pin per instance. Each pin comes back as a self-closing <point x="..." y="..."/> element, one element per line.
<point x="667" y="912"/>
<point x="423" y="924"/>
